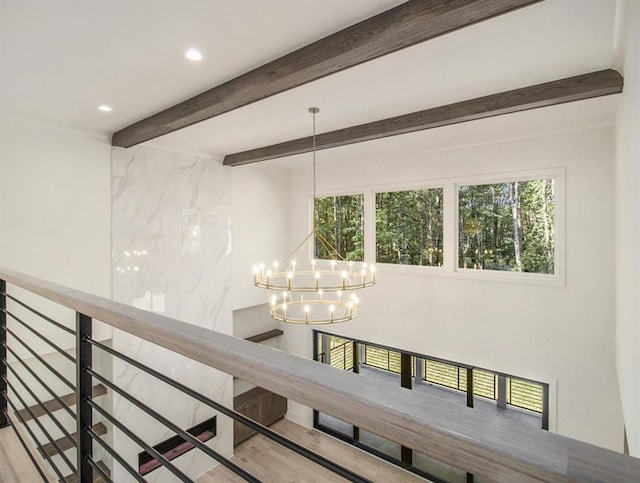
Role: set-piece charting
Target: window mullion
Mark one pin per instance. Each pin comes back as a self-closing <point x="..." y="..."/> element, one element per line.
<point x="450" y="227"/>
<point x="369" y="227"/>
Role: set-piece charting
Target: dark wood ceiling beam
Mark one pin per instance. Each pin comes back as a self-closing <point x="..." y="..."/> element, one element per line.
<point x="408" y="24"/>
<point x="576" y="88"/>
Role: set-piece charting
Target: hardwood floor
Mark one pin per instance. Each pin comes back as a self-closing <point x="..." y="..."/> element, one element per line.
<point x="271" y="462"/>
<point x="15" y="465"/>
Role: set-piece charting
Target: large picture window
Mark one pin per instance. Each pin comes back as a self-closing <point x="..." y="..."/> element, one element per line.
<point x="409" y="227"/>
<point x="507" y="226"/>
<point x="341" y="223"/>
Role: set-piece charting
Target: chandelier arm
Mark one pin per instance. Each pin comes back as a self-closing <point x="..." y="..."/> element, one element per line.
<point x="298" y="249"/>
<point x="328" y="246"/>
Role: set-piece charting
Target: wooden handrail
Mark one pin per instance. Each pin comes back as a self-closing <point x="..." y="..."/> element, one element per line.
<point x="485" y="445"/>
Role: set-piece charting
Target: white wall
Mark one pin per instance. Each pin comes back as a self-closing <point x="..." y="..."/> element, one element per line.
<point x="55" y="208"/>
<point x="260" y="234"/>
<point x="627" y="211"/>
<point x="260" y="226"/>
<point x="560" y="335"/>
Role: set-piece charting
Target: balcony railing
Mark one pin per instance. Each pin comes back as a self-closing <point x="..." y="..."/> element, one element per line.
<point x="499" y="449"/>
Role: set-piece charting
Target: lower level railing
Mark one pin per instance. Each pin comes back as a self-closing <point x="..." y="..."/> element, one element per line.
<point x="482" y="446"/>
<point x="456" y="382"/>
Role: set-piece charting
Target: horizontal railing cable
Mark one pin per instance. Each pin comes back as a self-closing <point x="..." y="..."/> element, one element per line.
<point x="42" y="361"/>
<point x="96" y="467"/>
<point x="116" y="456"/>
<point x="42" y="428"/>
<point x="140" y="442"/>
<point x="269" y="433"/>
<point x="27" y="450"/>
<point x="175" y="428"/>
<point x="41" y="337"/>
<point x="41" y="315"/>
<point x="33" y="437"/>
<point x="42" y="383"/>
<point x="53" y="442"/>
<point x="44" y="408"/>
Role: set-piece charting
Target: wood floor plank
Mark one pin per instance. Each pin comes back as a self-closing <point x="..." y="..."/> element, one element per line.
<point x="15" y="465"/>
<point x="64" y="443"/>
<point x="272" y="463"/>
<point x="53" y="405"/>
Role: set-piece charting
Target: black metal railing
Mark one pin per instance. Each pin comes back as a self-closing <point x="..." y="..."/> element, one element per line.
<point x="4" y="420"/>
<point x="426" y="424"/>
<point x="342" y="355"/>
<point x="85" y="467"/>
<point x="528" y="394"/>
<point x="463" y="378"/>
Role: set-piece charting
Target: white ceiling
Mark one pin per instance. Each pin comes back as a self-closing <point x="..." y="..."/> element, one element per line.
<point x="60" y="60"/>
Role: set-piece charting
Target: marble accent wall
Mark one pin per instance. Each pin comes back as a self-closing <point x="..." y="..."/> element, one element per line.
<point x="172" y="255"/>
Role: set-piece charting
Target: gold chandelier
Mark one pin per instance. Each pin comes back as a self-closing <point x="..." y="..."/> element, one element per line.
<point x="304" y="289"/>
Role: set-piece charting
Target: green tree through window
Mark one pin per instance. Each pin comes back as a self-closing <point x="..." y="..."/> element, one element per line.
<point x="340" y="220"/>
<point x="409" y="227"/>
<point x="507" y="226"/>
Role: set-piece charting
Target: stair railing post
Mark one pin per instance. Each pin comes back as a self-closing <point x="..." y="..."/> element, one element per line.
<point x="406" y="454"/>
<point x="84" y="414"/>
<point x="469" y="404"/>
<point x="4" y="421"/>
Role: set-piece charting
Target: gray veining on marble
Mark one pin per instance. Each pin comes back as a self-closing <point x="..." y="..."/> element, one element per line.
<point x="171" y="224"/>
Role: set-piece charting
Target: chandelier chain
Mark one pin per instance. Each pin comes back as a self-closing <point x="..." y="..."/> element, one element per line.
<point x="315" y="213"/>
<point x="314" y="111"/>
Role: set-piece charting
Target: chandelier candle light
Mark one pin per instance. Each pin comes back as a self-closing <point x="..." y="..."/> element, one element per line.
<point x="304" y="289"/>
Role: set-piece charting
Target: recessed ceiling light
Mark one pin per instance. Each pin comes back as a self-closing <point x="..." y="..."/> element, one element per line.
<point x="193" y="54"/>
<point x="105" y="108"/>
